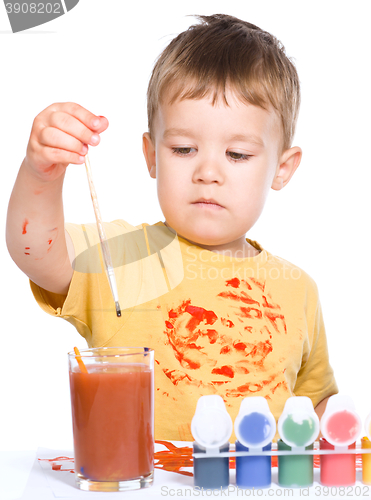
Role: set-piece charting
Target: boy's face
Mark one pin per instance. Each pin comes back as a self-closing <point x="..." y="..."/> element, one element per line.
<point x="227" y="154"/>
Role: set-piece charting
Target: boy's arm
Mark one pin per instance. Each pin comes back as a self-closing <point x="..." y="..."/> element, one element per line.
<point x="35" y="233"/>
<point x="321" y="407"/>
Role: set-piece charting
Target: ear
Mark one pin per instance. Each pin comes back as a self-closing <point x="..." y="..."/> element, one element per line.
<point x="288" y="163"/>
<point x="149" y="154"/>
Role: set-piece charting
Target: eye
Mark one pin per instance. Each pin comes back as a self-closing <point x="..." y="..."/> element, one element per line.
<point x="183" y="151"/>
<point x="238" y="156"/>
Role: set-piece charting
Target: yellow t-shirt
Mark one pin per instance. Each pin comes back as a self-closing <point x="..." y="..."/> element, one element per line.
<point x="236" y="327"/>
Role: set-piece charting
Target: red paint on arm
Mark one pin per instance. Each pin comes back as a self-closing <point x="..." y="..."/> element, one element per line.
<point x="25" y="223"/>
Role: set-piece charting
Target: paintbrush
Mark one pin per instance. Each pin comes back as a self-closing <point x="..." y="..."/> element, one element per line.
<point x="103" y="239"/>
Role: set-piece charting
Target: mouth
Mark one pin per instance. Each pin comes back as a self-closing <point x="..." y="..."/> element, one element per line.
<point x="207" y="203"/>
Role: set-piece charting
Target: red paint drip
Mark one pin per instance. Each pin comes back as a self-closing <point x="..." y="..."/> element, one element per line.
<point x="26" y="248"/>
<point x="175" y="458"/>
<point x="49" y="241"/>
<point x="26" y="253"/>
<point x="25" y="223"/>
<point x="58" y="467"/>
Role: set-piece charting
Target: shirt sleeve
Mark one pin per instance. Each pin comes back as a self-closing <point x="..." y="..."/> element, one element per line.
<point x="315" y="378"/>
<point x="88" y="304"/>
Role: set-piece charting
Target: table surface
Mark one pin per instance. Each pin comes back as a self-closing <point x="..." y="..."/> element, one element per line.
<point x="48" y="474"/>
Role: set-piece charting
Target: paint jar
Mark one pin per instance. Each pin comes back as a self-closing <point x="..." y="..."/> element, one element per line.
<point x="211" y="428"/>
<point x="366" y="461"/>
<point x="341" y="426"/>
<point x="295" y="471"/>
<point x="339" y="469"/>
<point x="366" y="458"/>
<point x="255" y="428"/>
<point x="298" y="427"/>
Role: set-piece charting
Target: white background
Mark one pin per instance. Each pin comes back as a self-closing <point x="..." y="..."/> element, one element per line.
<point x="100" y="55"/>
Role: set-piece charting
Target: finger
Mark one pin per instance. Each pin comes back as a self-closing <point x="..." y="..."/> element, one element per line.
<point x="56" y="155"/>
<point x="82" y="114"/>
<point x="103" y="124"/>
<point x="96" y="123"/>
<point x="55" y="138"/>
<point x="73" y="127"/>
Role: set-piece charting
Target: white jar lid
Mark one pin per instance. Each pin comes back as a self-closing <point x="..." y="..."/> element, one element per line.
<point x="255" y="426"/>
<point x="298" y="425"/>
<point x="340" y="424"/>
<point x="211" y="425"/>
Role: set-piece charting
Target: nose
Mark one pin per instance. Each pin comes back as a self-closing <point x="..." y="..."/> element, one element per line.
<point x="208" y="170"/>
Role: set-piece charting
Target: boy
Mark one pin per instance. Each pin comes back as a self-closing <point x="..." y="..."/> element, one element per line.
<point x="223" y="315"/>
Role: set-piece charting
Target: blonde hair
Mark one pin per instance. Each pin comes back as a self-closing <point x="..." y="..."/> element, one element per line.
<point x="223" y="51"/>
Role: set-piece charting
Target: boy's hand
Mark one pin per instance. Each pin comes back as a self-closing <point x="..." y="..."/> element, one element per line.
<point x="60" y="135"/>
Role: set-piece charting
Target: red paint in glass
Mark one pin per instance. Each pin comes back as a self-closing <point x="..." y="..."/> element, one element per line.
<point x="111" y="411"/>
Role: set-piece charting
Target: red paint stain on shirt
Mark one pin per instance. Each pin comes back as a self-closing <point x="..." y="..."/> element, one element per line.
<point x="239" y="346"/>
<point x="224" y="370"/>
<point x="261" y="351"/>
<point x="26" y="253"/>
<point x="225" y="350"/>
<point x="273" y="317"/>
<point x="235" y="282"/>
<point x="176" y="376"/>
<point x="49" y="241"/>
<point x="273" y="390"/>
<point x="25" y="223"/>
<point x="250" y="312"/>
<point x="227" y="322"/>
<point x="258" y="283"/>
<point x="243" y="297"/>
<point x="213" y="336"/>
<point x="244" y="390"/>
<point x="199" y="314"/>
<point x="168" y="324"/>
